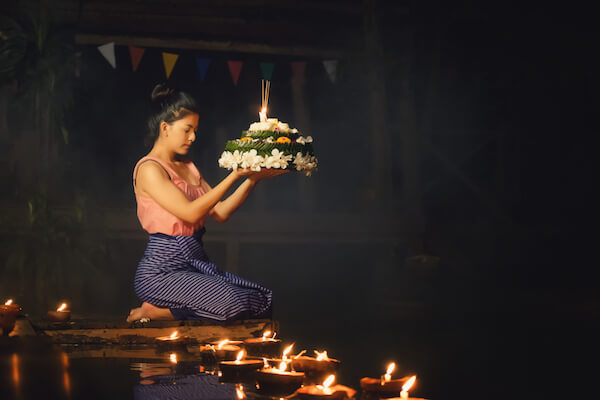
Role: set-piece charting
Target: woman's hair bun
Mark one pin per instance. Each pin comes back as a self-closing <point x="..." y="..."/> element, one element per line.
<point x="161" y="91"/>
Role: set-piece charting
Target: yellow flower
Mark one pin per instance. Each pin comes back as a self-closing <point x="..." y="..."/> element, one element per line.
<point x="283" y="139"/>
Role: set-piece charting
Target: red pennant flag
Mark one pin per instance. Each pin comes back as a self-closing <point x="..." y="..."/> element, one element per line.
<point x="298" y="68"/>
<point x="235" y="67"/>
<point x="136" y="54"/>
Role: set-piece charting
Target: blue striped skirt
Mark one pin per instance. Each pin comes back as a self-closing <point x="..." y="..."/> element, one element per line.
<point x="176" y="273"/>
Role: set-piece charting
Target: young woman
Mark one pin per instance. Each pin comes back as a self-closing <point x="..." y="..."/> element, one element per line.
<point x="175" y="278"/>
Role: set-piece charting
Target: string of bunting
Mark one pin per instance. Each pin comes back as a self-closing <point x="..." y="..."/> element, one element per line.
<point x="136" y="55"/>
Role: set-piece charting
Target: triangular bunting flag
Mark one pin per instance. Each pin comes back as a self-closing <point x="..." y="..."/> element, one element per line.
<point x="136" y="54"/>
<point x="298" y="68"/>
<point x="267" y="70"/>
<point x="108" y="51"/>
<point x="202" y="66"/>
<point x="235" y="67"/>
<point x="169" y="60"/>
<point x="331" y="68"/>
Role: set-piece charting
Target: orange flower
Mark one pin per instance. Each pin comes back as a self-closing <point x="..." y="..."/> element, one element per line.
<point x="245" y="139"/>
<point x="283" y="139"/>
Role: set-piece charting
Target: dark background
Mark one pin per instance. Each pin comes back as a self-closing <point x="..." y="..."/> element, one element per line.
<point x="445" y="228"/>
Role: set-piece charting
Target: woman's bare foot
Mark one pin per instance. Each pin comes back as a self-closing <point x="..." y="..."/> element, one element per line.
<point x="150" y="311"/>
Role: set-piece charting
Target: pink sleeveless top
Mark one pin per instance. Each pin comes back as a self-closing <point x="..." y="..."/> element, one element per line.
<point x="154" y="218"/>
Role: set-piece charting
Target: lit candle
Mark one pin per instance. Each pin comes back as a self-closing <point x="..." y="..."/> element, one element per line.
<point x="62" y="314"/>
<point x="315" y="367"/>
<point x="263" y="114"/>
<point x="388" y="373"/>
<point x="8" y="316"/>
<point x="325" y="391"/>
<point x="406" y="387"/>
<point x="171" y="338"/>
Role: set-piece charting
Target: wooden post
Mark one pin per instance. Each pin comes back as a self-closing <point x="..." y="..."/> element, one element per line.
<point x="381" y="176"/>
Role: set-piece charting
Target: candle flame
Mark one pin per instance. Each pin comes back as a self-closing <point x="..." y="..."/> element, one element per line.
<point x="406" y="387"/>
<point x="240" y="355"/>
<point x="274" y="334"/>
<point x="173" y="358"/>
<point x="266" y="334"/>
<point x="282" y="366"/>
<point x="263" y="110"/>
<point x="239" y="391"/>
<point x="321" y="356"/>
<point x="8" y="302"/>
<point x="287" y="350"/>
<point x="222" y="343"/>
<point x="391" y="367"/>
<point x="266" y="363"/>
<point x="327" y="382"/>
<point x="62" y="307"/>
<point x="173" y="335"/>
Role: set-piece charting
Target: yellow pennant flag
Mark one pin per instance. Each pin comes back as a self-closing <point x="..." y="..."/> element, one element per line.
<point x="169" y="60"/>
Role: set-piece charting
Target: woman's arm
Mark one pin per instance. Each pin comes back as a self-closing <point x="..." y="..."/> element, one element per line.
<point x="152" y="180"/>
<point x="224" y="209"/>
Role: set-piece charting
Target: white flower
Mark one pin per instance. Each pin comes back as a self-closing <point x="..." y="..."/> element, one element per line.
<point x="293" y="130"/>
<point x="300" y="140"/>
<point x="305" y="163"/>
<point x="277" y="159"/>
<point x="270" y="139"/>
<point x="309" y="139"/>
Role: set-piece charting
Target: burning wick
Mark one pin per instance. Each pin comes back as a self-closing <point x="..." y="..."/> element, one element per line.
<point x="263" y="114"/>
<point x="62" y="307"/>
<point x="266" y="363"/>
<point x="406" y="387"/>
<point x="286" y="351"/>
<point x="322" y="356"/>
<point x="222" y="343"/>
<point x="266" y="334"/>
<point x="173" y="358"/>
<point x="388" y="373"/>
<point x="173" y="336"/>
<point x="326" y="384"/>
<point x="8" y="302"/>
<point x="240" y="356"/>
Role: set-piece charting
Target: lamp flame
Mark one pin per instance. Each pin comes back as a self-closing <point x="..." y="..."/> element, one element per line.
<point x="173" y="358"/>
<point x="391" y="367"/>
<point x="327" y="382"/>
<point x="173" y="336"/>
<point x="263" y="110"/>
<point x="240" y="355"/>
<point x="266" y="334"/>
<point x="406" y="387"/>
<point x="286" y="351"/>
<point x="222" y="343"/>
<point x="62" y="307"/>
<point x="321" y="356"/>
<point x="8" y="302"/>
<point x="266" y="363"/>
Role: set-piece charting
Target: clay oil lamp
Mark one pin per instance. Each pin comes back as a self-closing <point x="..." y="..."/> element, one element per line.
<point x="8" y="316"/>
<point x="405" y="388"/>
<point x="278" y="381"/>
<point x="265" y="346"/>
<point x="62" y="314"/>
<point x="240" y="369"/>
<point x="385" y="386"/>
<point x="325" y="391"/>
<point x="220" y="351"/>
<point x="315" y="367"/>
<point x="173" y="340"/>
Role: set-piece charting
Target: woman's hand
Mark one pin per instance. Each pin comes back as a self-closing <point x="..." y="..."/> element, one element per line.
<point x="266" y="173"/>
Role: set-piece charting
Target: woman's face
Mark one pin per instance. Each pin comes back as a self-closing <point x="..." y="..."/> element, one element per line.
<point x="180" y="135"/>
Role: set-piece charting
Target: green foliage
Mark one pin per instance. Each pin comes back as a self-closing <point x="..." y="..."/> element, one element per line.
<point x="54" y="256"/>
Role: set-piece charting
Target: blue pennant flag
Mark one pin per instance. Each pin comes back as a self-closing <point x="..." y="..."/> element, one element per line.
<point x="202" y="65"/>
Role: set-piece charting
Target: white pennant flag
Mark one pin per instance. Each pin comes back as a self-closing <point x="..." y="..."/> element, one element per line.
<point x="108" y="51"/>
<point x="331" y="68"/>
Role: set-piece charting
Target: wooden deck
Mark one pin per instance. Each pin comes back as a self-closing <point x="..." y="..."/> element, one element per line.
<point x="118" y="332"/>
